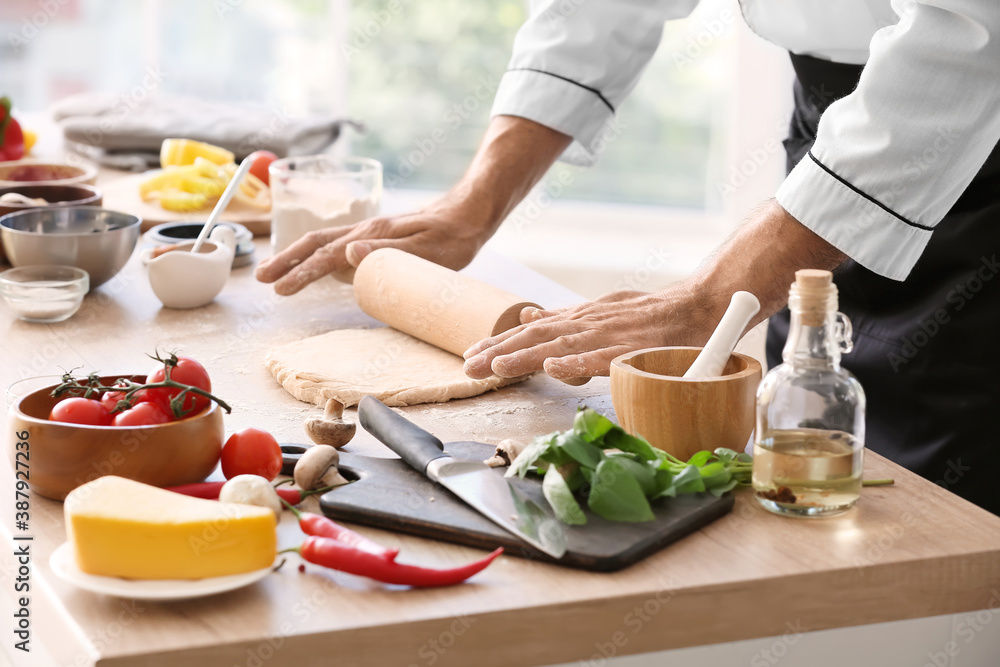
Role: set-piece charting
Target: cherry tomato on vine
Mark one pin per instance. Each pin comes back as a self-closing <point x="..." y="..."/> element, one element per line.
<point x="187" y="371"/>
<point x="109" y="399"/>
<point x="142" y="414"/>
<point x="79" y="410"/>
<point x="251" y="452"/>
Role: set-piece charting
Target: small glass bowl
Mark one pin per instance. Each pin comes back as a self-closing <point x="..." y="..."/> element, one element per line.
<point x="44" y="293"/>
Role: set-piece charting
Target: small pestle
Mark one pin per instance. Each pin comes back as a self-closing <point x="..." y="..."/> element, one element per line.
<point x="713" y="357"/>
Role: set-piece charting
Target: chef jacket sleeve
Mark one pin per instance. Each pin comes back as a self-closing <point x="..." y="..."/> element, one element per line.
<point x="575" y="61"/>
<point x="891" y="158"/>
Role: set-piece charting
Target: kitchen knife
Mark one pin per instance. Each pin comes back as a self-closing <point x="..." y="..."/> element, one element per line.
<point x="474" y="482"/>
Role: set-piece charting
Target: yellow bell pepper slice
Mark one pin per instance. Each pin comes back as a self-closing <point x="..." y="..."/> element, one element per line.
<point x="181" y="202"/>
<point x="182" y="152"/>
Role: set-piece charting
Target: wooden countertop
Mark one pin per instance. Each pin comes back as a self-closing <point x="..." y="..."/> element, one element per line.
<point x="907" y="551"/>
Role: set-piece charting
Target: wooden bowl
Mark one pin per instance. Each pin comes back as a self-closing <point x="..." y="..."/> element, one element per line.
<point x="63" y="456"/>
<point x="681" y="415"/>
<point x="40" y="172"/>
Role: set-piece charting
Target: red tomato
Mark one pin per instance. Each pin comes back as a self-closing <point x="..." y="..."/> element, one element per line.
<point x="79" y="410"/>
<point x="187" y="371"/>
<point x="251" y="452"/>
<point x="110" y="399"/>
<point x="261" y="161"/>
<point x="142" y="414"/>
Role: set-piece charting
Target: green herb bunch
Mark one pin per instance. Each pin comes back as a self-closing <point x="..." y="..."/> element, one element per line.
<point x="618" y="474"/>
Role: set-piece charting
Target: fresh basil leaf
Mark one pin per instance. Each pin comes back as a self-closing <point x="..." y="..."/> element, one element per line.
<point x="689" y="480"/>
<point x="538" y="447"/>
<point x="643" y="473"/>
<point x="579" y="449"/>
<point x="743" y="457"/>
<point x="725" y="454"/>
<point x="555" y="454"/>
<point x="561" y="499"/>
<point x="715" y="474"/>
<point x="728" y="486"/>
<point x="667" y="492"/>
<point x="576" y="479"/>
<point x="712" y="468"/>
<point x="619" y="439"/>
<point x="592" y="425"/>
<point x="616" y="495"/>
<point x="664" y="479"/>
<point x="700" y="458"/>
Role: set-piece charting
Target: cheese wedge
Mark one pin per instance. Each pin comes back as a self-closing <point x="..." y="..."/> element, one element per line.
<point x="122" y="528"/>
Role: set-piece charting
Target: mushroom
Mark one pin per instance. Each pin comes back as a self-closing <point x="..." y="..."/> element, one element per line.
<point x="251" y="490"/>
<point x="317" y="468"/>
<point x="331" y="429"/>
<point x="507" y="451"/>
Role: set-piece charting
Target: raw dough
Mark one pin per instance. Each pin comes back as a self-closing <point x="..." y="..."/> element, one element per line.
<point x="390" y="365"/>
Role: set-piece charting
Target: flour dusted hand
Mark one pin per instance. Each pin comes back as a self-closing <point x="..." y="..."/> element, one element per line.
<point x="440" y="233"/>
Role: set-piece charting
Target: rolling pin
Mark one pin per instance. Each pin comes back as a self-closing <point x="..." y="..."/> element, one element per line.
<point x="432" y="303"/>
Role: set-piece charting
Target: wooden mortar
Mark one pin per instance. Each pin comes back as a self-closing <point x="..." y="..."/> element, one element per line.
<point x="432" y="303"/>
<point x="684" y="415"/>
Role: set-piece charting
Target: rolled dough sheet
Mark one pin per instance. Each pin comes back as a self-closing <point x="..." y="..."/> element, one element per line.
<point x="392" y="366"/>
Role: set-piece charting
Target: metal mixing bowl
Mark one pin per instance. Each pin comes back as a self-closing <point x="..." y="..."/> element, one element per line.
<point x="95" y="239"/>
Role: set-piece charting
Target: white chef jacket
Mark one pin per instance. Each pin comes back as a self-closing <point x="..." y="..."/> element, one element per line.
<point x="890" y="159"/>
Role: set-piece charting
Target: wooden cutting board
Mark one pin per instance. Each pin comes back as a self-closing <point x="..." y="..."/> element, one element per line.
<point x="391" y="495"/>
<point x="123" y="195"/>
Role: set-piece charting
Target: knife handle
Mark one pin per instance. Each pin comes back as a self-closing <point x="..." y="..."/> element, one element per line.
<point x="413" y="444"/>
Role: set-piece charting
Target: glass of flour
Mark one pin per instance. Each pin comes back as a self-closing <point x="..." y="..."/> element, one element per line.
<point x="317" y="191"/>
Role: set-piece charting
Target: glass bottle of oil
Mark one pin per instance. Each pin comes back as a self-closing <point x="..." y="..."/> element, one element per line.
<point x="810" y="412"/>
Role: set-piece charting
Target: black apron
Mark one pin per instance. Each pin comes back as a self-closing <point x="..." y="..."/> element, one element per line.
<point x="925" y="349"/>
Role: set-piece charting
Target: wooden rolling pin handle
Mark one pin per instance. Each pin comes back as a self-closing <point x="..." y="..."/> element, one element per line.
<point x="714" y="356"/>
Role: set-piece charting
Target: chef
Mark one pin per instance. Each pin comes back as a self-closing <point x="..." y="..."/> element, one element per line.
<point x="894" y="182"/>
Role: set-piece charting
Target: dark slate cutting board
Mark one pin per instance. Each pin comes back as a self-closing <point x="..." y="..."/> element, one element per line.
<point x="389" y="494"/>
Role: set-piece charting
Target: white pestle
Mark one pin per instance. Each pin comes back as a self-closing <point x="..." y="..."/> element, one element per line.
<point x="713" y="357"/>
<point x="223" y="202"/>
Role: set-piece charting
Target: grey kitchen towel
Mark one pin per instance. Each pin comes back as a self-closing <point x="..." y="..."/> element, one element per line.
<point x="114" y="129"/>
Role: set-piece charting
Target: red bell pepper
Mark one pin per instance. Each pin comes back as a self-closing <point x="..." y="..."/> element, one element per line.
<point x="11" y="136"/>
<point x="337" y="555"/>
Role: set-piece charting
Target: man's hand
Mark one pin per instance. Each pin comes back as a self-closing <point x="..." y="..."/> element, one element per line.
<point x="440" y="233"/>
<point x="761" y="258"/>
<point x="581" y="341"/>
<point x="513" y="157"/>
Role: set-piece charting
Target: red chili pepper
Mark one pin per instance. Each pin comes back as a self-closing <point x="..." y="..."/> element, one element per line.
<point x="321" y="526"/>
<point x="336" y="555"/>
<point x="206" y="490"/>
<point x="211" y="490"/>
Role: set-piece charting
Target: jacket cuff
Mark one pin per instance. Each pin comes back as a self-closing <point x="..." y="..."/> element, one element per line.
<point x="561" y="104"/>
<point x="855" y="223"/>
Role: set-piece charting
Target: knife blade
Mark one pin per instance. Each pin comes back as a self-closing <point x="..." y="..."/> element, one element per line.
<point x="474" y="482"/>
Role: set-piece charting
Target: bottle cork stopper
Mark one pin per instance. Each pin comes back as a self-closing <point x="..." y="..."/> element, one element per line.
<point x="813" y="294"/>
<point x="813" y="278"/>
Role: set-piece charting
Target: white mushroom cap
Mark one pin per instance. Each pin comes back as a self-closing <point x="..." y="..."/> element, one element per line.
<point x="251" y="490"/>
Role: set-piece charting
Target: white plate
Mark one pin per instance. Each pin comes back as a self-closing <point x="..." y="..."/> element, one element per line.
<point x="63" y="563"/>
